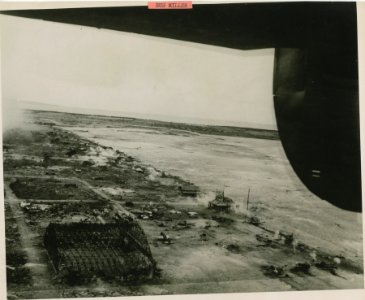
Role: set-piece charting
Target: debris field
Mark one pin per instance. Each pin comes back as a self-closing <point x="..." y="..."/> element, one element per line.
<point x="83" y="219"/>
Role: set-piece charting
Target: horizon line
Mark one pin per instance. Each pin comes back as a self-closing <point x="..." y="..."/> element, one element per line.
<point x="151" y="117"/>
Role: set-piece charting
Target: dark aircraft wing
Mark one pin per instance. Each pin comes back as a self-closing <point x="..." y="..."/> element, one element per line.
<point x="315" y="88"/>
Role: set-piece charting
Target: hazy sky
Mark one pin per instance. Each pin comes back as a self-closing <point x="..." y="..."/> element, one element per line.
<point x="78" y="66"/>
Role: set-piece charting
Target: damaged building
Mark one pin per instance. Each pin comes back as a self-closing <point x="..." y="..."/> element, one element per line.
<point x="111" y="250"/>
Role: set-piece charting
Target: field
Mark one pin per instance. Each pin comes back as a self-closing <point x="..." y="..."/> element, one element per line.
<point x="80" y="166"/>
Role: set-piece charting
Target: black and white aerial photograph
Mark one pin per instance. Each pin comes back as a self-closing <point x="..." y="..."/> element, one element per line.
<point x="181" y="151"/>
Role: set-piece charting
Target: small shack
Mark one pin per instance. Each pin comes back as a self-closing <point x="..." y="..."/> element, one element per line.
<point x="189" y="190"/>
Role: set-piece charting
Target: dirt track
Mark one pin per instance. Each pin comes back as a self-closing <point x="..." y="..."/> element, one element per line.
<point x="37" y="260"/>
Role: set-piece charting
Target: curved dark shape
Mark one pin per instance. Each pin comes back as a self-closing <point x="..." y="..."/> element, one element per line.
<point x="315" y="82"/>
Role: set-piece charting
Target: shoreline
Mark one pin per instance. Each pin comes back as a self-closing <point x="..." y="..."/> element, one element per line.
<point x="209" y="246"/>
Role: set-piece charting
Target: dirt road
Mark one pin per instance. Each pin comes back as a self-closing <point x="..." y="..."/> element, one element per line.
<point x="36" y="255"/>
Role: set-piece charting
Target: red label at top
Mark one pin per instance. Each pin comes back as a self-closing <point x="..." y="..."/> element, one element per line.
<point x="170" y="4"/>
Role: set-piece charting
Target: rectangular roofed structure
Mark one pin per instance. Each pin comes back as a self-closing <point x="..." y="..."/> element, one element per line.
<point x="189" y="190"/>
<point x="92" y="249"/>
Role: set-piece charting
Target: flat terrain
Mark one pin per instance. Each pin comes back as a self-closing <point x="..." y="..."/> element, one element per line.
<point x="287" y="239"/>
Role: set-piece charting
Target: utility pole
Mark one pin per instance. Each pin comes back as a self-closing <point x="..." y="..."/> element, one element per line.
<point x="248" y="197"/>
